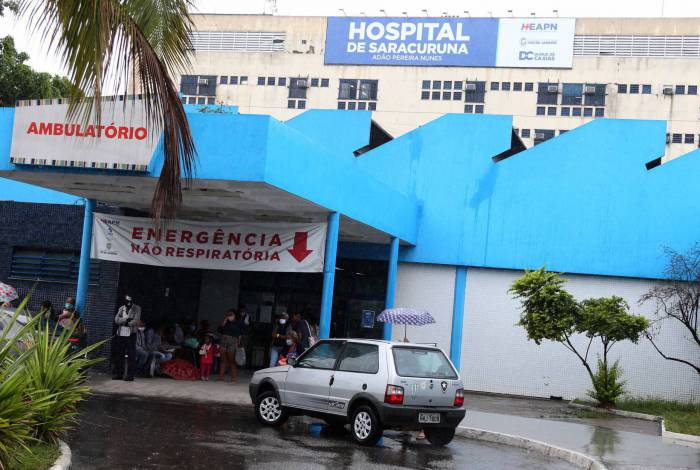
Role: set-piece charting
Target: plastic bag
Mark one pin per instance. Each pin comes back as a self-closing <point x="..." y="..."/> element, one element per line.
<point x="240" y="356"/>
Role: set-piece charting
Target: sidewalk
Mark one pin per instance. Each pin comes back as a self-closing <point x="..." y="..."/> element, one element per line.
<point x="616" y="448"/>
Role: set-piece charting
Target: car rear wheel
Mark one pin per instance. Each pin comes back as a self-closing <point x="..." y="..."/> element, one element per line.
<point x="365" y="426"/>
<point x="268" y="409"/>
<point x="439" y="436"/>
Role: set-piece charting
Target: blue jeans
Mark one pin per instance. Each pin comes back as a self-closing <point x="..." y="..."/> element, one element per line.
<point x="141" y="357"/>
<point x="275" y="352"/>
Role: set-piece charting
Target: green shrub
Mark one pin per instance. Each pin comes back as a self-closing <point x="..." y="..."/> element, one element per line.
<point x="608" y="385"/>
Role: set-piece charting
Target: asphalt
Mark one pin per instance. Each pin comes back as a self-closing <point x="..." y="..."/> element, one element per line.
<point x="120" y="432"/>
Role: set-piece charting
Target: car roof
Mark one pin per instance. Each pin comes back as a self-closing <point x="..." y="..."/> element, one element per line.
<point x="382" y="341"/>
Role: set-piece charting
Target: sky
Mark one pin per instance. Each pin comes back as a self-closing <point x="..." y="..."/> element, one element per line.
<point x="44" y="60"/>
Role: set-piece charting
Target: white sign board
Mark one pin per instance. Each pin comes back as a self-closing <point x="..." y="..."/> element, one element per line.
<point x="210" y="245"/>
<point x="42" y="135"/>
<point x="536" y="42"/>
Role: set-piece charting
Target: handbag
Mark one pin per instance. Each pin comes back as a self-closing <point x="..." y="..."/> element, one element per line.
<point x="240" y="356"/>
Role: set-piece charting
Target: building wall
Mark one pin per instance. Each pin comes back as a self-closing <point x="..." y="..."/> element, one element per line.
<point x="497" y="357"/>
<point x="56" y="227"/>
<point x="429" y="287"/>
<point x="399" y="104"/>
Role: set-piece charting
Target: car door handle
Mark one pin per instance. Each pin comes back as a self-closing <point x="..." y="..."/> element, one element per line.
<point x="331" y="381"/>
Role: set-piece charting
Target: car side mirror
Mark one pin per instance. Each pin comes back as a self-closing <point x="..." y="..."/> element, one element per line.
<point x="292" y="362"/>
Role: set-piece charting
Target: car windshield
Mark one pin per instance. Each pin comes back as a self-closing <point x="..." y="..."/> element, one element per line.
<point x="422" y="362"/>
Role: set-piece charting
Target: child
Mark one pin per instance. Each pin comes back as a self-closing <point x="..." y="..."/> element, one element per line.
<point x="292" y="351"/>
<point x="207" y="357"/>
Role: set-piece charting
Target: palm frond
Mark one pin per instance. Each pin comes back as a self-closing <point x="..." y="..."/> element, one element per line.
<point x="130" y="45"/>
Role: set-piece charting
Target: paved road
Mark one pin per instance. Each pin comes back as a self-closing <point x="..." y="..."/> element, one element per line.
<point x="131" y="433"/>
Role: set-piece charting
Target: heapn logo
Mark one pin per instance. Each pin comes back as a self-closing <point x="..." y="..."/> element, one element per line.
<point x="545" y="27"/>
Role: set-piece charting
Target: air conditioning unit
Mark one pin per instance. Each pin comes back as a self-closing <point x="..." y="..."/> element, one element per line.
<point x="470" y="87"/>
<point x="301" y="83"/>
<point x="589" y="90"/>
<point x="667" y="90"/>
<point x="539" y="135"/>
<point x="552" y="88"/>
<point x="202" y="81"/>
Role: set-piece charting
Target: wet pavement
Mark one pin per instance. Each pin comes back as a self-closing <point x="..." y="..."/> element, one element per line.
<point x="119" y="432"/>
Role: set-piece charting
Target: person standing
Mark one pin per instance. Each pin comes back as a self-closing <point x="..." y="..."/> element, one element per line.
<point x="303" y="330"/>
<point x="279" y="336"/>
<point x="127" y="320"/>
<point x="206" y="353"/>
<point x="231" y="331"/>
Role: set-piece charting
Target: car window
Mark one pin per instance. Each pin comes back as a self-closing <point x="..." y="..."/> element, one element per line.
<point x="360" y="357"/>
<point x="422" y="362"/>
<point x="321" y="356"/>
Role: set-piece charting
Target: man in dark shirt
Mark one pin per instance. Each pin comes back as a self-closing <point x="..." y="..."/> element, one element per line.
<point x="301" y="327"/>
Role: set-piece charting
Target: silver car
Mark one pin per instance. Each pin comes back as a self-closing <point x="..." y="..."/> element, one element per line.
<point x="372" y="385"/>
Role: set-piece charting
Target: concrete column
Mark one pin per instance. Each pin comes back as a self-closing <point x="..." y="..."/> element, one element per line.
<point x="458" y="315"/>
<point x="84" y="269"/>
<point x="329" y="274"/>
<point x="391" y="282"/>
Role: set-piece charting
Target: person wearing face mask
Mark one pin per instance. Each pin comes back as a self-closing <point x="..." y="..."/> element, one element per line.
<point x="279" y="337"/>
<point x="127" y="320"/>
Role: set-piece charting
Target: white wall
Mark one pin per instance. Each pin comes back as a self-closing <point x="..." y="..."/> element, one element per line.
<point x="219" y="292"/>
<point x="429" y="287"/>
<point x="497" y="357"/>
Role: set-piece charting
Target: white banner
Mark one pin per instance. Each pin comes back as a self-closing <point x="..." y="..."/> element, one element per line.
<point x="41" y="135"/>
<point x="210" y="245"/>
<point x="536" y="42"/>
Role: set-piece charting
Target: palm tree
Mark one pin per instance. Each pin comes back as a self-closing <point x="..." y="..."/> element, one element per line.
<point x="124" y="44"/>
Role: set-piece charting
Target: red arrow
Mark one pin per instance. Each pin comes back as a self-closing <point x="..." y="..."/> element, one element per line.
<point x="299" y="251"/>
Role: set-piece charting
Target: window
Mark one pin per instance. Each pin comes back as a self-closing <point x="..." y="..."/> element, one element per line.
<point x="597" y="96"/>
<point x="476" y="92"/>
<point x="547" y="93"/>
<point x="261" y="80"/>
<point x="188" y="84"/>
<point x="297" y="88"/>
<point x="517" y="86"/>
<point x="469" y="108"/>
<point x="525" y="133"/>
<point x="368" y="90"/>
<point x="689" y="139"/>
<point x="494" y="86"/>
<point x="692" y="89"/>
<point x="677" y="138"/>
<point x="447" y="85"/>
<point x="646" y="89"/>
<point x="552" y="111"/>
<point x="446" y="95"/>
<point x="341" y="104"/>
<point x="183" y="100"/>
<point x="566" y="111"/>
<point x="479" y="109"/>
<point x="437" y="84"/>
<point x="422" y="362"/>
<point x="211" y="100"/>
<point x="457" y="85"/>
<point x="282" y="81"/>
<point x="435" y="95"/>
<point x="540" y="110"/>
<point x="680" y="89"/>
<point x="321" y="356"/>
<point x="634" y="88"/>
<point x="347" y="90"/>
<point x="204" y="85"/>
<point x="223" y="80"/>
<point x="301" y="104"/>
<point x="291" y="104"/>
<point x="457" y="96"/>
<point x="542" y="135"/>
<point x="357" y="357"/>
<point x="529" y="86"/>
<point x="622" y="88"/>
<point x="324" y="82"/>
<point x="361" y="106"/>
<point x="587" y="112"/>
<point x="426" y="85"/>
<point x="372" y="106"/>
<point x="505" y="86"/>
<point x="575" y="111"/>
<point x="49" y="265"/>
<point x="352" y="105"/>
<point x="271" y="80"/>
<point x="600" y="112"/>
<point x="314" y="82"/>
<point x="425" y="95"/>
<point x="191" y="100"/>
<point x="233" y="80"/>
<point x="201" y="100"/>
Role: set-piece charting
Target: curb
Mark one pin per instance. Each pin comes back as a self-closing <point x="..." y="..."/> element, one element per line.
<point x="630" y="414"/>
<point x="65" y="459"/>
<point x="548" y="450"/>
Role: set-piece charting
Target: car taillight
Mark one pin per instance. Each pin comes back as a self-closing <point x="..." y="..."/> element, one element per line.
<point x="393" y="395"/>
<point x="459" y="397"/>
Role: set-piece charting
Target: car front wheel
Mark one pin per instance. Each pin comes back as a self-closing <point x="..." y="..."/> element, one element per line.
<point x="365" y="426"/>
<point x="439" y="436"/>
<point x="268" y="409"/>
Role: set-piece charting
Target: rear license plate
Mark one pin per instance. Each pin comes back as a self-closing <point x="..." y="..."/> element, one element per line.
<point x="430" y="418"/>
